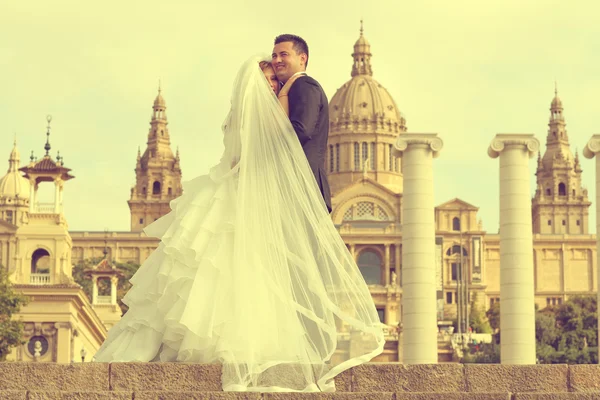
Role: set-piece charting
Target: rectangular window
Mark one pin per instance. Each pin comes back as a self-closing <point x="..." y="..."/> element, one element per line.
<point x="381" y="313"/>
<point x="564" y="222"/>
<point x="391" y="158"/>
<point x="337" y="157"/>
<point x="9" y="217"/>
<point x="357" y="157"/>
<point x="448" y="297"/>
<point x="578" y="223"/>
<point x="549" y="222"/>
<point x="455" y="271"/>
<point x="331" y="160"/>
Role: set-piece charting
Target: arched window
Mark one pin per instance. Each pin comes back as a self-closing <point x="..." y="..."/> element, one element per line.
<point x="156" y="187"/>
<point x="369" y="263"/>
<point x="562" y="189"/>
<point x="456" y="250"/>
<point x="549" y="192"/>
<point x="455" y="224"/>
<point x="365" y="154"/>
<point x="40" y="262"/>
<point x="356" y="157"/>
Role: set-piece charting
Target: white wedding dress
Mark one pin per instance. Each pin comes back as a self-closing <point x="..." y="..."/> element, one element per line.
<point x="251" y="272"/>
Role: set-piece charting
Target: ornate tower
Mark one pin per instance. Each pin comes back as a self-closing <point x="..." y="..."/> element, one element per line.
<point x="157" y="172"/>
<point x="43" y="255"/>
<point x="560" y="204"/>
<point x="14" y="192"/>
<point x="364" y="122"/>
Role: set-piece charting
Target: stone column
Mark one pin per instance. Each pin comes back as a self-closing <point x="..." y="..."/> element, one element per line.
<point x="517" y="300"/>
<point x="419" y="317"/>
<point x="63" y="342"/>
<point x="31" y="195"/>
<point x="591" y="150"/>
<point x="95" y="290"/>
<point x="114" y="281"/>
<point x="386" y="264"/>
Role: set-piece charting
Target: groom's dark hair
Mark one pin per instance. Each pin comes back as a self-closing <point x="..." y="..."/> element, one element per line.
<point x="299" y="46"/>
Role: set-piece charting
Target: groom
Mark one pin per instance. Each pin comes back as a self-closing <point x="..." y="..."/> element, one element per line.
<point x="309" y="110"/>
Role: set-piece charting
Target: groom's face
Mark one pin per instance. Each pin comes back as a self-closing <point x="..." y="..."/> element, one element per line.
<point x="286" y="62"/>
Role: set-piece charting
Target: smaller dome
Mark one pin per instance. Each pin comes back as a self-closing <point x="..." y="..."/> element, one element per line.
<point x="362" y="45"/>
<point x="13" y="184"/>
<point x="159" y="101"/>
<point x="556" y="102"/>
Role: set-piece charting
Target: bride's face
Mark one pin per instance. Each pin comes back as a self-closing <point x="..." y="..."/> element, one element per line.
<point x="272" y="79"/>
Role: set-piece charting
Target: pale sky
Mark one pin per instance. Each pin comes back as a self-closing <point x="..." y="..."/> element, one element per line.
<point x="466" y="69"/>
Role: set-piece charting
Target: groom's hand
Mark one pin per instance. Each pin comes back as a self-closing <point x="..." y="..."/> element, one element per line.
<point x="285" y="90"/>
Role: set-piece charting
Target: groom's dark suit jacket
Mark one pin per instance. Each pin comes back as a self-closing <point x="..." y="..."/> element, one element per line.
<point x="309" y="114"/>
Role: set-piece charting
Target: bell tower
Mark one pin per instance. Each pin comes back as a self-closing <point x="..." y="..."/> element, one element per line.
<point x="560" y="204"/>
<point x="157" y="172"/>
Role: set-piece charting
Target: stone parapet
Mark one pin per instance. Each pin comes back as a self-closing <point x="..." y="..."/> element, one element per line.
<point x="376" y="381"/>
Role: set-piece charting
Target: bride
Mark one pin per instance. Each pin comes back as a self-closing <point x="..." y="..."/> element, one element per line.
<point x="251" y="272"/>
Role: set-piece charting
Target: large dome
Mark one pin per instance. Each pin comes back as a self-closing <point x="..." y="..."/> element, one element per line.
<point x="13" y="184"/>
<point x="363" y="104"/>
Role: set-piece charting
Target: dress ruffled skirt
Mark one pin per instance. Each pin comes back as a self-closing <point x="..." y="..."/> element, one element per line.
<point x="193" y="301"/>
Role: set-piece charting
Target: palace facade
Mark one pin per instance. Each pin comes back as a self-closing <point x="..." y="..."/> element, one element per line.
<point x="63" y="325"/>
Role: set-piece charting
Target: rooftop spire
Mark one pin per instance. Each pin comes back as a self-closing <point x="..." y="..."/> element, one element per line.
<point x="47" y="147"/>
<point x="362" y="55"/>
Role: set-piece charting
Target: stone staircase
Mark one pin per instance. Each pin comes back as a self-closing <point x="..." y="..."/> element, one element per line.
<point x="385" y="381"/>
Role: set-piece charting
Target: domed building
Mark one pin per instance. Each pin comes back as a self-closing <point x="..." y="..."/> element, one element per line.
<point x="364" y="124"/>
<point x="14" y="190"/>
<point x="366" y="184"/>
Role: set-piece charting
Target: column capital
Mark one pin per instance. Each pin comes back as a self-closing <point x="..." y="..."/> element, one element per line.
<point x="430" y="139"/>
<point x="592" y="147"/>
<point x="501" y="140"/>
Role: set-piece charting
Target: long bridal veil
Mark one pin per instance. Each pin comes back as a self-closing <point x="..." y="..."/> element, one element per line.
<point x="250" y="271"/>
<point x="300" y="300"/>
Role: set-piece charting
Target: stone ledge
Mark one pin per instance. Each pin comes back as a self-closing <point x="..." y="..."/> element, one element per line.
<point x="541" y="378"/>
<point x="75" y="395"/>
<point x="49" y="376"/>
<point x="453" y="396"/>
<point x="165" y="376"/>
<point x="373" y="377"/>
<point x="187" y="395"/>
<point x="388" y="377"/>
<point x="557" y="396"/>
<point x="584" y="377"/>
<point x="13" y="394"/>
<point x="329" y="396"/>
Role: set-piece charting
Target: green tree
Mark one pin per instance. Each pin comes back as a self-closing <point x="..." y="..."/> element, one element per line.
<point x="477" y="317"/>
<point x="11" y="331"/>
<point x="493" y="316"/>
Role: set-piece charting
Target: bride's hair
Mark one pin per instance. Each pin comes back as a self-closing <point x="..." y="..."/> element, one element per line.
<point x="264" y="65"/>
